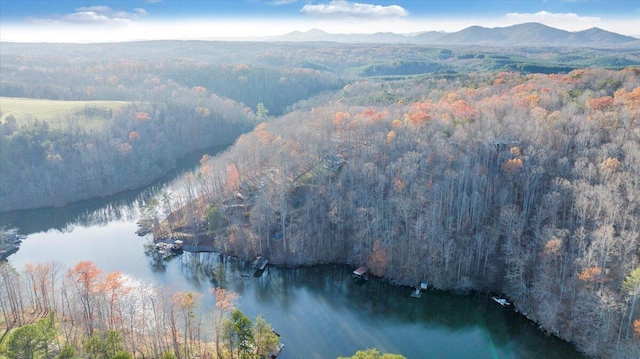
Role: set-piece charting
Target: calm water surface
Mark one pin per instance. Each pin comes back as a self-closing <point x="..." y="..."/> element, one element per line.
<point x="319" y="311"/>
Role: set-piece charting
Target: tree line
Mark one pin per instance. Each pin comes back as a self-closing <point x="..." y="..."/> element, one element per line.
<point x="47" y="165"/>
<point x="177" y="104"/>
<point x="82" y="312"/>
<point x="86" y="313"/>
<point x="518" y="184"/>
<point x="158" y="78"/>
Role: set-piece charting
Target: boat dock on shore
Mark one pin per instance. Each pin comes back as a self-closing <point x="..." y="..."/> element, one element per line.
<point x="9" y="242"/>
<point x="503" y="302"/>
<point x="361" y="273"/>
<point x="417" y="292"/>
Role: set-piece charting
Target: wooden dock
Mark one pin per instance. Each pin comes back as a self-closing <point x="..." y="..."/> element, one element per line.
<point x="503" y="302"/>
<point x="177" y="245"/>
<point x="274" y="354"/>
<point x="417" y="292"/>
<point x="9" y="242"/>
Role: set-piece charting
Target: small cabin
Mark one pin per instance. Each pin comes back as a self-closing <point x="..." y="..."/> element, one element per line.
<point x="361" y="273"/>
<point x="334" y="162"/>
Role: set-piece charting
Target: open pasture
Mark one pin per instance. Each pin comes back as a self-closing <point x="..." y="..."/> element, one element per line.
<point x="57" y="113"/>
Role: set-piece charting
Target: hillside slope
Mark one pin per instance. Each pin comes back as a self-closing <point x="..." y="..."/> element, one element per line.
<point x="525" y="185"/>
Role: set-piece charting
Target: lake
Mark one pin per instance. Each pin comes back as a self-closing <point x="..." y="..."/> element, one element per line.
<point x="318" y="311"/>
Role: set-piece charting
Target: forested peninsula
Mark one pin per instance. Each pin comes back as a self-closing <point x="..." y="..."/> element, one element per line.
<point x="522" y="184"/>
<point x="506" y="170"/>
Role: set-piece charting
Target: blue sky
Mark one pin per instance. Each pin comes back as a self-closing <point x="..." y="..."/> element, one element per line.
<point x="125" y="20"/>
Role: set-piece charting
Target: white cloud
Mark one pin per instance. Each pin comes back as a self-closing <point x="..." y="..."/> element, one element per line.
<point x="566" y="21"/>
<point x="99" y="8"/>
<point x="141" y="12"/>
<point x="282" y="2"/>
<point x="94" y="15"/>
<point x="343" y="8"/>
<point x="87" y="17"/>
<point x="152" y="1"/>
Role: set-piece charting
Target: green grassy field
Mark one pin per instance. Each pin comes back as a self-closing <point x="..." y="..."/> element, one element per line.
<point x="58" y="113"/>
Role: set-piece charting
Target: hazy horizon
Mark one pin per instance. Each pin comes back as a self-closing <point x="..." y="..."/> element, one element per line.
<point x="82" y="21"/>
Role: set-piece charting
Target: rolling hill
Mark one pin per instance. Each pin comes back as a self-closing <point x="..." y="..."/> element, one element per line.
<point x="528" y="34"/>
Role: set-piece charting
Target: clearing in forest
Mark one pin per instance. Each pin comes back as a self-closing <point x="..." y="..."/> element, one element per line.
<point x="57" y="113"/>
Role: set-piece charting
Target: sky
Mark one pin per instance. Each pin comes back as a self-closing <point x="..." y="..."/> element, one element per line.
<point x="130" y="20"/>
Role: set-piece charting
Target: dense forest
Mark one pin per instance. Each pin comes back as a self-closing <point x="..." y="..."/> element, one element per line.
<point x="507" y="170"/>
<point x="522" y="184"/>
<point x="135" y="145"/>
<point x="189" y="95"/>
<point x="174" y="106"/>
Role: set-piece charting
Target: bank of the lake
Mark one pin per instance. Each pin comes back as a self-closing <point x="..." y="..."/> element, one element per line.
<point x="319" y="311"/>
<point x="124" y="205"/>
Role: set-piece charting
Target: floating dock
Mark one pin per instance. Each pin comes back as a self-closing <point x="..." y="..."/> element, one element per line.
<point x="9" y="242"/>
<point x="274" y="353"/>
<point x="169" y="249"/>
<point x="503" y="302"/>
<point x="417" y="292"/>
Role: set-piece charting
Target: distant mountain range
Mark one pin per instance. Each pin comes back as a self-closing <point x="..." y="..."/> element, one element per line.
<point x="529" y="34"/>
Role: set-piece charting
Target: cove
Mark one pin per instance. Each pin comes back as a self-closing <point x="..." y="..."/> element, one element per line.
<point x="319" y="311"/>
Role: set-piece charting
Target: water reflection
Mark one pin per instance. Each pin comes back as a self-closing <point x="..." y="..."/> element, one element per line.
<point x="123" y="206"/>
<point x="318" y="311"/>
<point x="321" y="313"/>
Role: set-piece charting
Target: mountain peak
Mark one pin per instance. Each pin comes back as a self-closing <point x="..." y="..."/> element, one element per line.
<point x="315" y="31"/>
<point x="525" y="34"/>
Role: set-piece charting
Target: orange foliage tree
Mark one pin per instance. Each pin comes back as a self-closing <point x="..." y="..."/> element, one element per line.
<point x="225" y="303"/>
<point x="199" y="90"/>
<point x="233" y="177"/>
<point x="133" y="136"/>
<point x="391" y="136"/>
<point x="591" y="275"/>
<point x="420" y="112"/>
<point x="512" y="165"/>
<point x="463" y="111"/>
<point x="379" y="259"/>
<point x="114" y="288"/>
<point x="187" y="302"/>
<point x="40" y="280"/>
<point x="112" y="80"/>
<point x="600" y="104"/>
<point x="142" y="116"/>
<point x="631" y="100"/>
<point x="372" y="114"/>
<point x="340" y="119"/>
<point x="86" y="278"/>
<point x="610" y="165"/>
